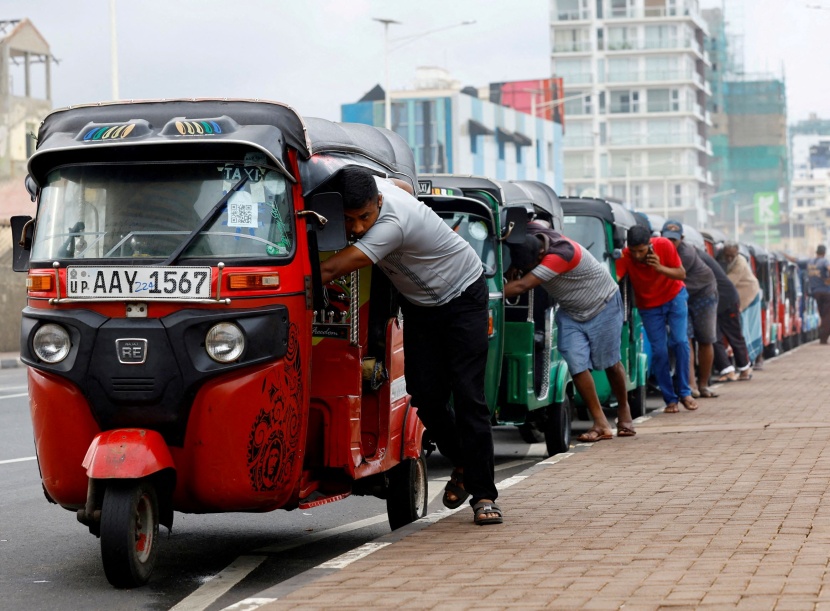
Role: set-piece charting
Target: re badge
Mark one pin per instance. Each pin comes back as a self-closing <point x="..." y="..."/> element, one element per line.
<point x="131" y="351"/>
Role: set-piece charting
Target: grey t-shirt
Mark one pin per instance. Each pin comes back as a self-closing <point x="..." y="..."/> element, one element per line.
<point x="700" y="280"/>
<point x="424" y="259"/>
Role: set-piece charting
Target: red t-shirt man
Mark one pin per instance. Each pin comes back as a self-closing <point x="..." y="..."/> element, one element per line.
<point x="652" y="288"/>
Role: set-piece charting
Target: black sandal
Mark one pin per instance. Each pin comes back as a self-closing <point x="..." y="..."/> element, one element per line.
<point x="453" y="487"/>
<point x="484" y="507"/>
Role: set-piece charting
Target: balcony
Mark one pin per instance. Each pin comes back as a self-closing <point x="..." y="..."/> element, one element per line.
<point x="583" y="46"/>
<point x="651" y="76"/>
<point x="639" y="140"/>
<point x="577" y="78"/>
<point x="667" y="170"/>
<point x="570" y="142"/>
<point x="576" y="15"/>
<point x="583" y="173"/>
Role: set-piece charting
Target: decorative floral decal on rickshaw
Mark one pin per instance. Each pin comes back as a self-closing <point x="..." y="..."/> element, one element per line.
<point x="275" y="435"/>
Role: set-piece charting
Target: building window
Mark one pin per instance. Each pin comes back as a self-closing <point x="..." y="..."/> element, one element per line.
<point x="474" y="144"/>
<point x="538" y="153"/>
<point x="501" y="149"/>
<point x="518" y="154"/>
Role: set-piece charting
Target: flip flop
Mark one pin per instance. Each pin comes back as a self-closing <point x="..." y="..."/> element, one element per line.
<point x="689" y="403"/>
<point x="741" y="378"/>
<point x="484" y="507"/>
<point x="454" y="487"/>
<point x="624" y="430"/>
<point x="593" y="435"/>
<point x="671" y="408"/>
<point x="729" y="377"/>
<point x="707" y="393"/>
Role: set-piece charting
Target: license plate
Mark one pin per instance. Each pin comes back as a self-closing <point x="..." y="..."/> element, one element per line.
<point x="138" y="282"/>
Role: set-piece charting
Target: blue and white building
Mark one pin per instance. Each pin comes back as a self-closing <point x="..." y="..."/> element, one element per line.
<point x="453" y="130"/>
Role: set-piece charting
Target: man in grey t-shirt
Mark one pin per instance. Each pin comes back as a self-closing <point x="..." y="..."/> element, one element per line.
<point x="444" y="301"/>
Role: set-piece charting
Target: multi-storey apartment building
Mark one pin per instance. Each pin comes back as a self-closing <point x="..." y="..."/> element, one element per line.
<point x="635" y="102"/>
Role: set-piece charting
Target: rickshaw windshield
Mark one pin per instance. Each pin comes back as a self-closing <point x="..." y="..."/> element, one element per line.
<point x="118" y="211"/>
<point x="589" y="231"/>
<point x="476" y="231"/>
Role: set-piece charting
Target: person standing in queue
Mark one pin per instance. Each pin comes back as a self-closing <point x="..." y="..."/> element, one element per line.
<point x="818" y="271"/>
<point x="443" y="296"/>
<point x="702" y="287"/>
<point x="657" y="275"/>
<point x="589" y="318"/>
<point x="730" y="314"/>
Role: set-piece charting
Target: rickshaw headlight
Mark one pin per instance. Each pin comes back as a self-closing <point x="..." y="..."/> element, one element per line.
<point x="51" y="343"/>
<point x="224" y="342"/>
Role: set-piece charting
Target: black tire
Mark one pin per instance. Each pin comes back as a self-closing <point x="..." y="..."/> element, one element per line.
<point x="558" y="427"/>
<point x="129" y="532"/>
<point x="637" y="401"/>
<point x="530" y="433"/>
<point x="406" y="493"/>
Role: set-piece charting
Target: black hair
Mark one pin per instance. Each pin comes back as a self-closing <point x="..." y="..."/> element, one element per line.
<point x="357" y="186"/>
<point x="820" y="250"/>
<point x="638" y="235"/>
<point x="525" y="256"/>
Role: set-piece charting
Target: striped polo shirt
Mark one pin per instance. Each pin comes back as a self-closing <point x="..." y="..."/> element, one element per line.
<point x="578" y="283"/>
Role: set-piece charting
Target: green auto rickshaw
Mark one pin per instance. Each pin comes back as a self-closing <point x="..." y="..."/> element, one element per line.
<point x="527" y="384"/>
<point x="601" y="227"/>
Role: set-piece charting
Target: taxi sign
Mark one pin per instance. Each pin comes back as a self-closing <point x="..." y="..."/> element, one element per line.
<point x="114" y="282"/>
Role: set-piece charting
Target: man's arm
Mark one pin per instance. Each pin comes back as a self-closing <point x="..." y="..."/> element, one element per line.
<point x="522" y="285"/>
<point x="342" y="263"/>
<point x="675" y="273"/>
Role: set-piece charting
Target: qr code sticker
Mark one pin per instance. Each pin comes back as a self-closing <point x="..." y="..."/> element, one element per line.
<point x="242" y="211"/>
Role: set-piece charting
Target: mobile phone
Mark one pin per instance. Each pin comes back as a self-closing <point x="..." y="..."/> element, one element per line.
<point x="651" y="249"/>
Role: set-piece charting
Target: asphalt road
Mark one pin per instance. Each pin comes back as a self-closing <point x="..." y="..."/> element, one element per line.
<point x="48" y="560"/>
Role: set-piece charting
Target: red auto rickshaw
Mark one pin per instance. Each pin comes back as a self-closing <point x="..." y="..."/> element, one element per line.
<point x="183" y="354"/>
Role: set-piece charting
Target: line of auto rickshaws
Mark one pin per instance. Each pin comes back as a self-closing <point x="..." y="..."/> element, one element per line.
<point x="528" y="384"/>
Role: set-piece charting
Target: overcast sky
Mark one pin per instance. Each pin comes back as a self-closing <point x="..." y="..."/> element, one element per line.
<point x="317" y="54"/>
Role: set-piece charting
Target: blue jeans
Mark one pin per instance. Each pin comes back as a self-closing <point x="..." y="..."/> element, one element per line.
<point x="674" y="315"/>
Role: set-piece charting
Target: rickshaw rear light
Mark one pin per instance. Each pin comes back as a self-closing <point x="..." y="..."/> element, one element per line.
<point x="224" y="342"/>
<point x="490" y="323"/>
<point x="51" y="343"/>
<point x="254" y="281"/>
<point x="38" y="282"/>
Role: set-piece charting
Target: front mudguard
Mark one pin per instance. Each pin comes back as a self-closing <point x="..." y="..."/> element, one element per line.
<point x="127" y="454"/>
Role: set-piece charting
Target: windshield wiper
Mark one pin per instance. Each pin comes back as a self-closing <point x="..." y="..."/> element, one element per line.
<point x="209" y="218"/>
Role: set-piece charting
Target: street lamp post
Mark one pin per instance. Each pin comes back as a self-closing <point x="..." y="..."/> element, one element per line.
<point x="386" y="50"/>
<point x="386" y="99"/>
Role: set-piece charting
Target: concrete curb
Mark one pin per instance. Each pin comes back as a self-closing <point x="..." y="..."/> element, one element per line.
<point x="10" y="363"/>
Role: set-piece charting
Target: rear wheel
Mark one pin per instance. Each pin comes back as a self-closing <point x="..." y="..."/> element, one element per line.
<point x="129" y="532"/>
<point x="558" y="427"/>
<point x="637" y="401"/>
<point x="406" y="493"/>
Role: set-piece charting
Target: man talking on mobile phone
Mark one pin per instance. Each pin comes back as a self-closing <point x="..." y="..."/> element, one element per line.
<point x="656" y="274"/>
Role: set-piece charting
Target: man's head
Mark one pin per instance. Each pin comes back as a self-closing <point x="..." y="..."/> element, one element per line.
<point x="673" y="230"/>
<point x="361" y="200"/>
<point x="639" y="242"/>
<point x="730" y="251"/>
<point x="527" y="255"/>
<point x="820" y="250"/>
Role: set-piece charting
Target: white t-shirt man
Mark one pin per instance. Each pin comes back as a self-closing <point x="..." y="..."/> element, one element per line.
<point x="425" y="260"/>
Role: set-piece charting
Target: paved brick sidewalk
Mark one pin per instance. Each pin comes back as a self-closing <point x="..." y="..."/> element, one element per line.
<point x="727" y="507"/>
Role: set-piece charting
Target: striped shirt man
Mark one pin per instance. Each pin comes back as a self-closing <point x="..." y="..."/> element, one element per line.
<point x="579" y="284"/>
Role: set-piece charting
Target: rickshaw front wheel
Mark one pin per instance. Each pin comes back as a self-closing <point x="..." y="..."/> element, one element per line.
<point x="406" y="494"/>
<point x="129" y="532"/>
<point x="558" y="427"/>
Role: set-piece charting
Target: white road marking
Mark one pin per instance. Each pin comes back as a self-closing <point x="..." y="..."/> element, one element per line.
<point x="344" y="560"/>
<point x="249" y="604"/>
<point x="23" y="394"/>
<point x="11" y="460"/>
<point x="208" y="593"/>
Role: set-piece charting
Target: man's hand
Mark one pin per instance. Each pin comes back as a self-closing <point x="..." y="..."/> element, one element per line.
<point x="342" y="263"/>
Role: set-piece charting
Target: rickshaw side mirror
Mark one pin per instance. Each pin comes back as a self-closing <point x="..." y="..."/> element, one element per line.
<point x="618" y="236"/>
<point x="31" y="187"/>
<point x="514" y="225"/>
<point x="617" y="254"/>
<point x="22" y="230"/>
<point x="328" y="221"/>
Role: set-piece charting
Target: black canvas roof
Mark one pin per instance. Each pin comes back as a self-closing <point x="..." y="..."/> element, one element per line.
<point x="609" y="211"/>
<point x="76" y="133"/>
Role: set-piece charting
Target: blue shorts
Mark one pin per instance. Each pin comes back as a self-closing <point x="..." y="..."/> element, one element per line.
<point x="592" y="344"/>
